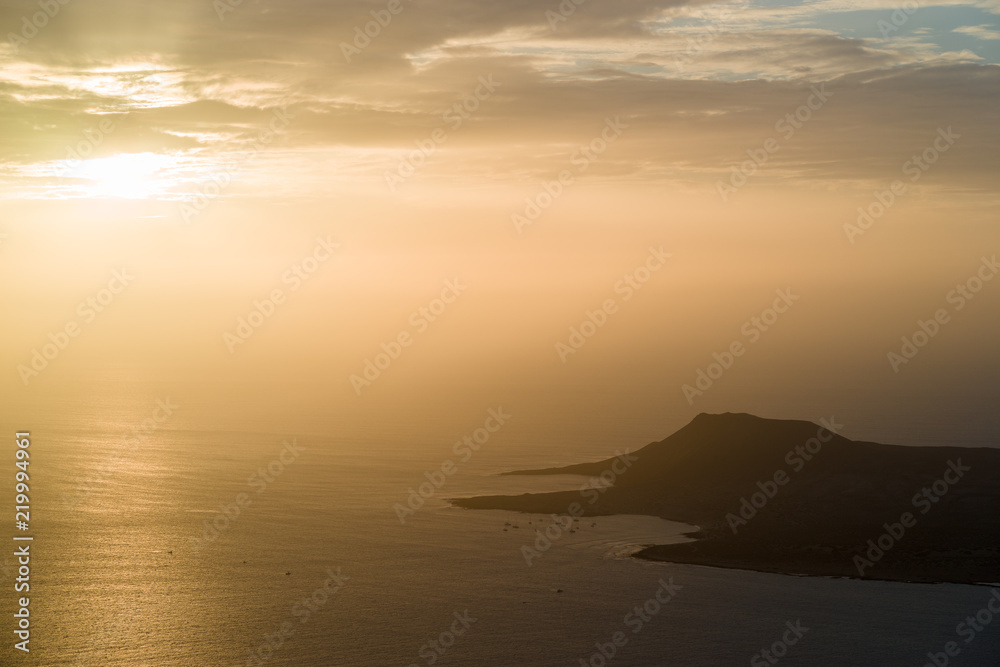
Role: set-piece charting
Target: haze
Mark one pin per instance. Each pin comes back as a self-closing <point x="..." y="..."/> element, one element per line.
<point x="241" y="135"/>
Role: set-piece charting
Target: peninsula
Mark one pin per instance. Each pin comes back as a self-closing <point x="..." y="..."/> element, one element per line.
<point x="795" y="497"/>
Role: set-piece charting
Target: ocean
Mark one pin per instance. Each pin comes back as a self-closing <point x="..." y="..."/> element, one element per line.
<point x="171" y="545"/>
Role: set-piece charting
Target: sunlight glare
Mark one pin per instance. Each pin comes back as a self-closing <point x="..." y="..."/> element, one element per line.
<point x="127" y="175"/>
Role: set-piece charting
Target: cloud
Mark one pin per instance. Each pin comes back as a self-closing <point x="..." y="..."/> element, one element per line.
<point x="199" y="89"/>
<point x="979" y="31"/>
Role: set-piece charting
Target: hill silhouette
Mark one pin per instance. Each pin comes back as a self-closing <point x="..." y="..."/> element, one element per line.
<point x="796" y="497"/>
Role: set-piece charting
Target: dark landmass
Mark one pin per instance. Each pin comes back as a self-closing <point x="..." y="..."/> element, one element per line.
<point x="820" y="520"/>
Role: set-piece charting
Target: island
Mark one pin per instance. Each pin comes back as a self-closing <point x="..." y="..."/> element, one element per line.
<point x="794" y="497"/>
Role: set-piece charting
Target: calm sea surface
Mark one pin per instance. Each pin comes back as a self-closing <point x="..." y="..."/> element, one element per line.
<point x="123" y="574"/>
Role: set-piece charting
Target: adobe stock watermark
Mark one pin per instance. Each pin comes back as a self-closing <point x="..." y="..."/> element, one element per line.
<point x="140" y="434"/>
<point x="294" y="276"/>
<point x="563" y="11"/>
<point x="93" y="138"/>
<point x="779" y="649"/>
<point x="581" y="159"/>
<point x="924" y="500"/>
<point x="958" y="298"/>
<point x="592" y="490"/>
<point x="753" y="329"/>
<point x="363" y="35"/>
<point x="432" y="651"/>
<point x="258" y="482"/>
<point x="208" y="191"/>
<point x="787" y="126"/>
<point x="631" y="282"/>
<point x="968" y="629"/>
<point x="453" y="118"/>
<point x="303" y="611"/>
<point x="31" y="25"/>
<point x="635" y="620"/>
<point x="88" y="310"/>
<point x="420" y="320"/>
<point x="464" y="448"/>
<point x="899" y="17"/>
<point x="716" y="19"/>
<point x="915" y="168"/>
<point x="797" y="457"/>
<point x="223" y="7"/>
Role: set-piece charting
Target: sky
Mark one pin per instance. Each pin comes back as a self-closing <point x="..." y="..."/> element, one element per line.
<point x="536" y="152"/>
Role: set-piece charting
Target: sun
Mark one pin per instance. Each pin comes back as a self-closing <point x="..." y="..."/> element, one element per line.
<point x="126" y="175"/>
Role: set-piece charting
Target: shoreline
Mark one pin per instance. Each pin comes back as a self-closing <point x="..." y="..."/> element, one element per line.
<point x="654" y="554"/>
<point x="690" y="550"/>
<point x="761" y="570"/>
